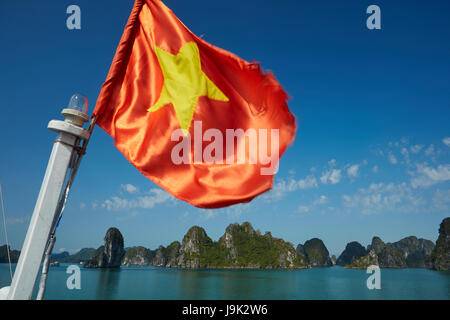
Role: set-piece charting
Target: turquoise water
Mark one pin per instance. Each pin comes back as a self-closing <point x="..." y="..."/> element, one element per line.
<point x="316" y="283"/>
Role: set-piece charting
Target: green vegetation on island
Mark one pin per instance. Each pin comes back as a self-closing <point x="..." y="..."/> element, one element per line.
<point x="240" y="247"/>
<point x="315" y="252"/>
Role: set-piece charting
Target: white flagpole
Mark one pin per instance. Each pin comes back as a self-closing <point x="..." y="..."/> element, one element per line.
<point x="70" y="132"/>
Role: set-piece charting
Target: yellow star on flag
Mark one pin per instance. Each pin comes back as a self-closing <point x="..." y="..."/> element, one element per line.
<point x="184" y="83"/>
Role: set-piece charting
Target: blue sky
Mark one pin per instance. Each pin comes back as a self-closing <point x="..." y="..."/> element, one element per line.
<point x="372" y="152"/>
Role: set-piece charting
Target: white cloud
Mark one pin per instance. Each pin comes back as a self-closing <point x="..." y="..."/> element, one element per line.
<point x="307" y="208"/>
<point x="430" y="150"/>
<point x="426" y="176"/>
<point x="307" y="183"/>
<point x="416" y="148"/>
<point x="127" y="216"/>
<point x="232" y="212"/>
<point x="209" y="215"/>
<point x="381" y="198"/>
<point x="303" y="209"/>
<point x="18" y="220"/>
<point x="156" y="196"/>
<point x="353" y="171"/>
<point x="404" y="140"/>
<point x="282" y="187"/>
<point x="375" y="169"/>
<point x="237" y="210"/>
<point x="332" y="176"/>
<point x="405" y="154"/>
<point x="321" y="200"/>
<point x="325" y="176"/>
<point x="392" y="158"/>
<point x="129" y="188"/>
<point x="446" y="141"/>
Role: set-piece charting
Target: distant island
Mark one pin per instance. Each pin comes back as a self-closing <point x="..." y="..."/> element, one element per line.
<point x="243" y="247"/>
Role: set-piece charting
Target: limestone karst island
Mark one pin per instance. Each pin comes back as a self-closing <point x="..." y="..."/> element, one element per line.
<point x="243" y="247"/>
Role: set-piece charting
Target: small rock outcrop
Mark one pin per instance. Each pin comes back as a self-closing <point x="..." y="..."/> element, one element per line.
<point x="440" y="257"/>
<point x="109" y="255"/>
<point x="353" y="251"/>
<point x="13" y="254"/>
<point x="363" y="262"/>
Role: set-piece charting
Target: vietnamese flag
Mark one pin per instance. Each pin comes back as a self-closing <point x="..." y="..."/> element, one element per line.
<point x="195" y="119"/>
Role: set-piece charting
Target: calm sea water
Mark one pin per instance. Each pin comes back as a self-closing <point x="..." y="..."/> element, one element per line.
<point x="316" y="283"/>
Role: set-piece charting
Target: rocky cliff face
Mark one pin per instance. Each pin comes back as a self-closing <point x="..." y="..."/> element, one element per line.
<point x="227" y="241"/>
<point x="353" y="251"/>
<point x="167" y="257"/>
<point x="388" y="255"/>
<point x="137" y="256"/>
<point x="300" y="250"/>
<point x="440" y="257"/>
<point x="416" y="252"/>
<point x="363" y="262"/>
<point x="315" y="252"/>
<point x="172" y="252"/>
<point x="194" y="246"/>
<point x="159" y="260"/>
<point x="109" y="255"/>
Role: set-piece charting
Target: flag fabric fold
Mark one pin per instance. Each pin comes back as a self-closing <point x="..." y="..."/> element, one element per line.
<point x="171" y="98"/>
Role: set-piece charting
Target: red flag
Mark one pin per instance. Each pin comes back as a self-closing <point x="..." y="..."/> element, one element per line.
<point x="199" y="121"/>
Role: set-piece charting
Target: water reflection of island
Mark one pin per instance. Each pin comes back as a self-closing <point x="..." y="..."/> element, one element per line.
<point x="108" y="283"/>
